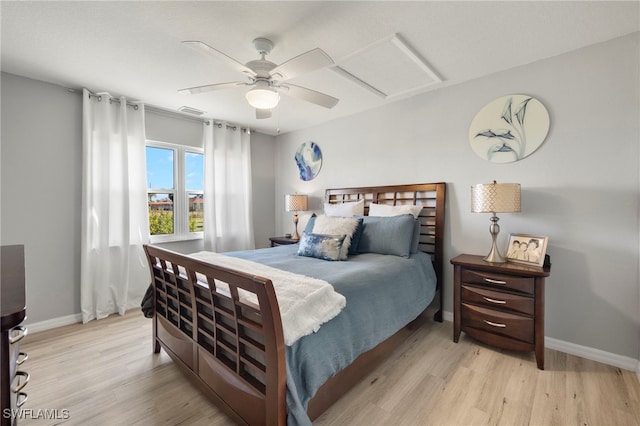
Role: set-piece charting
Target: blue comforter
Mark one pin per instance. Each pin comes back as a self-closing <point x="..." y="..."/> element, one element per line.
<point x="384" y="293"/>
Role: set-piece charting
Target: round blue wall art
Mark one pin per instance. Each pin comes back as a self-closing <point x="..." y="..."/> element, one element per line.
<point x="309" y="160"/>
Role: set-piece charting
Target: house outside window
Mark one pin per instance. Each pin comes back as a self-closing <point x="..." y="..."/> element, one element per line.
<point x="175" y="190"/>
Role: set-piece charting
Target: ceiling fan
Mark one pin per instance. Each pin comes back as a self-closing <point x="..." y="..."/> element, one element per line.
<point x="266" y="78"/>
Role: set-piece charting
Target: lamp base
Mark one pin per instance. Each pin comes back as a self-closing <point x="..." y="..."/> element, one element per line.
<point x="494" y="255"/>
<point x="296" y="236"/>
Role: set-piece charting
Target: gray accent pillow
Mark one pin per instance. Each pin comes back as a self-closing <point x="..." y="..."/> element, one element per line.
<point x="320" y="246"/>
<point x="337" y="225"/>
<point x="387" y="235"/>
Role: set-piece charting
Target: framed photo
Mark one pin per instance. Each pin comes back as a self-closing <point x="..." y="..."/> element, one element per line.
<point x="527" y="249"/>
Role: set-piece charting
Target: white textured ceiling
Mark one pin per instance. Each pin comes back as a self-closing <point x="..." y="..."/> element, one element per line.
<point x="133" y="48"/>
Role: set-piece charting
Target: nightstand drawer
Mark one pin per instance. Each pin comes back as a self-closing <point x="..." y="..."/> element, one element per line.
<point x="497" y="300"/>
<point x="502" y="281"/>
<point x="503" y="323"/>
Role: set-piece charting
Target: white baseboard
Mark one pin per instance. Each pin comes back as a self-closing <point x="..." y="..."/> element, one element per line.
<point x="593" y="354"/>
<point x="586" y="352"/>
<point x="447" y="316"/>
<point x="53" y="323"/>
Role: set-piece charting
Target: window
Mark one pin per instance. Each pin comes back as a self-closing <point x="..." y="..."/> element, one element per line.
<point x="175" y="189"/>
<point x="194" y="186"/>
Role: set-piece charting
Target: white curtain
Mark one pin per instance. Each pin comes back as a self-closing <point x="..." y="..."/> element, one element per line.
<point x="113" y="269"/>
<point x="228" y="217"/>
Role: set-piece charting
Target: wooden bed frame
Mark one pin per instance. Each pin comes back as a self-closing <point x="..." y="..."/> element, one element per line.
<point x="233" y="350"/>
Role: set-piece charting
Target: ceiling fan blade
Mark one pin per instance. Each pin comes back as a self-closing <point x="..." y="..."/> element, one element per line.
<point x="263" y="113"/>
<point x="309" y="95"/>
<point x="204" y="47"/>
<point x="303" y="63"/>
<point x="210" y="87"/>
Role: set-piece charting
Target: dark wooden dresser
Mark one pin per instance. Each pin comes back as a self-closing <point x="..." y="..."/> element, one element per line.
<point x="13" y="312"/>
<point x="501" y="304"/>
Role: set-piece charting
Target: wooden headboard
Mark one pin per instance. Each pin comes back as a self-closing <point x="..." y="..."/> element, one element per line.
<point x="430" y="195"/>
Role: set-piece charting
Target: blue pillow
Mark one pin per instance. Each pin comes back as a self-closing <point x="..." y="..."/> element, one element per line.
<point x="320" y="246"/>
<point x="415" y="242"/>
<point x="387" y="235"/>
<point x="355" y="238"/>
<point x="312" y="220"/>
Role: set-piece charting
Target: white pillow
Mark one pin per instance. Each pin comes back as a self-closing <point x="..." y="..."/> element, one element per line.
<point x="386" y="210"/>
<point x="332" y="225"/>
<point x="348" y="209"/>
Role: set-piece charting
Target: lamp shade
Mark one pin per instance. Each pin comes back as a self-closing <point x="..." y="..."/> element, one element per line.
<point x="262" y="96"/>
<point x="295" y="202"/>
<point x="495" y="198"/>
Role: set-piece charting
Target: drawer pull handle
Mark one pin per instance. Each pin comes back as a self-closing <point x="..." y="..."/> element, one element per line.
<point x="495" y="324"/>
<point x="488" y="299"/>
<point x="22" y="398"/>
<point x="22" y="332"/>
<point x="22" y="357"/>
<point x="489" y="280"/>
<point x="21" y="386"/>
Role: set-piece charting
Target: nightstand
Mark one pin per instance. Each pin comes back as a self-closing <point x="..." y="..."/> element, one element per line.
<point x="501" y="304"/>
<point x="282" y="241"/>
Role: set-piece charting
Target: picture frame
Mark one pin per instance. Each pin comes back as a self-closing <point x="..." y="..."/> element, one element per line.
<point x="527" y="249"/>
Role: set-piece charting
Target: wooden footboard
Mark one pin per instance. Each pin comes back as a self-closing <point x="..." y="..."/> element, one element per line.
<point x="233" y="348"/>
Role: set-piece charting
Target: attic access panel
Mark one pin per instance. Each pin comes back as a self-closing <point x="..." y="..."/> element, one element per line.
<point x="389" y="68"/>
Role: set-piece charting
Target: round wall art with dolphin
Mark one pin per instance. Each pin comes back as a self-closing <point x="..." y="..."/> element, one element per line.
<point x="309" y="160"/>
<point x="509" y="128"/>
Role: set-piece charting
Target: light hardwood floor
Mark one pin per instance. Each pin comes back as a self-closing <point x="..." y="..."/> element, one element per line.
<point x="104" y="373"/>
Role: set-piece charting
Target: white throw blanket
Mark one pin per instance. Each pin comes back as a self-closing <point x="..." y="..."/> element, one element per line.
<point x="305" y="303"/>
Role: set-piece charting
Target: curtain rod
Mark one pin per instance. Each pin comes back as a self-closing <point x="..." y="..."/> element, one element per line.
<point x="112" y="99"/>
<point x="172" y="113"/>
<point x="230" y="126"/>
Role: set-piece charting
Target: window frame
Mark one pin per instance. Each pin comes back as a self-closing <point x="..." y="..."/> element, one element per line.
<point x="180" y="193"/>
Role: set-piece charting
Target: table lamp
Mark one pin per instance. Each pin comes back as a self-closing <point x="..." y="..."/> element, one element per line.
<point x="295" y="203"/>
<point x="495" y="198"/>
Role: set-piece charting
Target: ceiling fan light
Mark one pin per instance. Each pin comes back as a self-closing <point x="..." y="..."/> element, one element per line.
<point x="263" y="98"/>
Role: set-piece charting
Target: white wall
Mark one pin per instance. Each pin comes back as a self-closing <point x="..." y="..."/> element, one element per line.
<point x="263" y="155"/>
<point x="41" y="177"/>
<point x="41" y="181"/>
<point x="580" y="188"/>
<point x="172" y="127"/>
